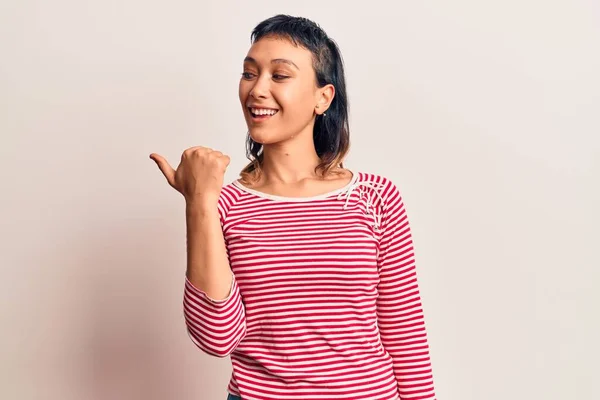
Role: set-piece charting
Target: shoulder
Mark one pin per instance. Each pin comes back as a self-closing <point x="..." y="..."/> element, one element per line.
<point x="385" y="185"/>
<point x="387" y="191"/>
<point x="229" y="196"/>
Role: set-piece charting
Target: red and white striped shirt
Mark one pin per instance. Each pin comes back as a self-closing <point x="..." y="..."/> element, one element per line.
<point x="324" y="302"/>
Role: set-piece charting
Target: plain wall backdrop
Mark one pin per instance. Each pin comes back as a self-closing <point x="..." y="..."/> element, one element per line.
<point x="485" y="114"/>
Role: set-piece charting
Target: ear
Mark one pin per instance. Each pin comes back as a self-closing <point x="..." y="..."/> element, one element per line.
<point x="324" y="98"/>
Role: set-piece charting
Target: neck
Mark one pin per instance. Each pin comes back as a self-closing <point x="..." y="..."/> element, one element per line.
<point x="290" y="161"/>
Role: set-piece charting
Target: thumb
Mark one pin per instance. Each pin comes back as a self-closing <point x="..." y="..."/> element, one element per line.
<point x="164" y="167"/>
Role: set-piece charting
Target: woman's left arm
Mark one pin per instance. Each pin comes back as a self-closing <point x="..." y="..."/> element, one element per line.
<point x="399" y="310"/>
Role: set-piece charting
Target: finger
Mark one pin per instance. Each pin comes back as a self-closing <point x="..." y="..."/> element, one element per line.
<point x="197" y="148"/>
<point x="164" y="167"/>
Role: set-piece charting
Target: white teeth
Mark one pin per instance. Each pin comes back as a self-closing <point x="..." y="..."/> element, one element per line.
<point x="262" y="111"/>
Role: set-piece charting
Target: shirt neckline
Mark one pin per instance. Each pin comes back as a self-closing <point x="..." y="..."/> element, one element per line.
<point x="353" y="180"/>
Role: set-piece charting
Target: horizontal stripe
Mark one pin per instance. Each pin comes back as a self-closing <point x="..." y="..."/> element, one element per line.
<point x="325" y="301"/>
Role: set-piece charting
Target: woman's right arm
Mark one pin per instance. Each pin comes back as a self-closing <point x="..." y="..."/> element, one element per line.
<point x="213" y="308"/>
<point x="207" y="263"/>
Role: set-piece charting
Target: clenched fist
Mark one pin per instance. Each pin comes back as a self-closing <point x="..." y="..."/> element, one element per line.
<point x="199" y="176"/>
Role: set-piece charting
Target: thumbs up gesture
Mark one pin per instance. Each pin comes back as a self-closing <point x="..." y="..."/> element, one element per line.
<point x="199" y="176"/>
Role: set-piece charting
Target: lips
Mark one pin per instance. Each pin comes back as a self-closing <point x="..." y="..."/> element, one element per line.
<point x="261" y="113"/>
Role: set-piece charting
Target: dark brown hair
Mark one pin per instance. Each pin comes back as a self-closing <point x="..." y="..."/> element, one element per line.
<point x="331" y="133"/>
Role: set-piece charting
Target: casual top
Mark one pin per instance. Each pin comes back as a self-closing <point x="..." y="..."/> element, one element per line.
<point x="324" y="302"/>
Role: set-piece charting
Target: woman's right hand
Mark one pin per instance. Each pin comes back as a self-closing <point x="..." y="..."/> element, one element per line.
<point x="199" y="176"/>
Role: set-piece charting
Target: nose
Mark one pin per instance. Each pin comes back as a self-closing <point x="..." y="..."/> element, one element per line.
<point x="260" y="88"/>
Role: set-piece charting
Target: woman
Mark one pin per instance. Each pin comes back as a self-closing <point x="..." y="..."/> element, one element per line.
<point x="302" y="271"/>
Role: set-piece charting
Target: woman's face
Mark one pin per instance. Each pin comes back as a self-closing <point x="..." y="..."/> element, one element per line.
<point x="278" y="91"/>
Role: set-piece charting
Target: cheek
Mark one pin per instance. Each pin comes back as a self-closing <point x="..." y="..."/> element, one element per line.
<point x="295" y="102"/>
<point x="242" y="91"/>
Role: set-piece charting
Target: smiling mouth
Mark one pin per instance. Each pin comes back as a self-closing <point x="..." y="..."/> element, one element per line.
<point x="261" y="114"/>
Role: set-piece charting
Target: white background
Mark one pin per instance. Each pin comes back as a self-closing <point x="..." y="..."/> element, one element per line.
<point x="485" y="114"/>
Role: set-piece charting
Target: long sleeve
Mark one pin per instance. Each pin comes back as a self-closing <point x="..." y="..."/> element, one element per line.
<point x="399" y="310"/>
<point x="216" y="327"/>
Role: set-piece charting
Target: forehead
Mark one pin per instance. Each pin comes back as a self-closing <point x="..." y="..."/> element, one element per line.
<point x="270" y="48"/>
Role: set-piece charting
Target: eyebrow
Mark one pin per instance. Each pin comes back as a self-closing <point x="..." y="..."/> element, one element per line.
<point x="275" y="61"/>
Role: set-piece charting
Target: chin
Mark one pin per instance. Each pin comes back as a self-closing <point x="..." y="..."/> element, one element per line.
<point x="265" y="138"/>
<point x="258" y="137"/>
<point x="264" y="141"/>
<point x="260" y="134"/>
